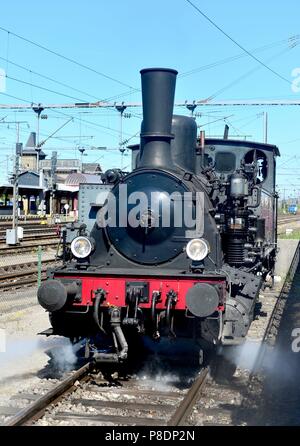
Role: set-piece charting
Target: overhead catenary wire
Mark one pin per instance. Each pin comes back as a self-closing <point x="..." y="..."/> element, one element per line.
<point x="235" y="129"/>
<point x="11" y="144"/>
<point x="48" y="78"/>
<point x="69" y="59"/>
<point x="69" y="116"/>
<point x="258" y="116"/>
<point x="244" y="76"/>
<point x="89" y="122"/>
<point x="43" y="88"/>
<point x="250" y="54"/>
<point x="75" y="118"/>
<point x="51" y="79"/>
<point x="291" y="40"/>
<point x="223" y="118"/>
<point x="31" y="84"/>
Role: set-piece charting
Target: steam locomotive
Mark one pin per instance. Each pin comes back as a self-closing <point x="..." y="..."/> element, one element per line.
<point x="180" y="247"/>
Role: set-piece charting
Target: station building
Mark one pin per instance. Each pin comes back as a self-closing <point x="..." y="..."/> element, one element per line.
<point x="35" y="183"/>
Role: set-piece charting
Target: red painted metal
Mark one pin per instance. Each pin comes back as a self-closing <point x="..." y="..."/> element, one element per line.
<point x="115" y="288"/>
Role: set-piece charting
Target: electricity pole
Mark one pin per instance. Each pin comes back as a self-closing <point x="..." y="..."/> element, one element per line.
<point x="121" y="108"/>
<point x="81" y="150"/>
<point x="38" y="110"/>
<point x="16" y="190"/>
<point x="52" y="181"/>
<point x="266" y="127"/>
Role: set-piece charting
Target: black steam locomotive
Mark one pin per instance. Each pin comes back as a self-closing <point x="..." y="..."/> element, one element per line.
<point x="181" y="246"/>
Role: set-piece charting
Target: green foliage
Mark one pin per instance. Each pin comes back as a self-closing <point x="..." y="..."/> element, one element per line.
<point x="295" y="235"/>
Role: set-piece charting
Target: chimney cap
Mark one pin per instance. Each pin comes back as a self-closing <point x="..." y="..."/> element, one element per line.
<point x="170" y="70"/>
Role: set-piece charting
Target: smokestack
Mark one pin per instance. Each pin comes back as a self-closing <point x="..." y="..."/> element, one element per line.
<point x="158" y="91"/>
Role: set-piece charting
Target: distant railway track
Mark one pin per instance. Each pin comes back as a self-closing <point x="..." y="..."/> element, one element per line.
<point x="22" y="218"/>
<point x="31" y="230"/>
<point x="287" y="219"/>
<point x="26" y="225"/>
<point x="15" y="276"/>
<point x="21" y="282"/>
<point x="29" y="246"/>
<point x="38" y="236"/>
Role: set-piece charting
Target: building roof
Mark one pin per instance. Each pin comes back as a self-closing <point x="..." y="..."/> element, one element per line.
<point x="91" y="167"/>
<point x="32" y="151"/>
<point x="64" y="188"/>
<point x="71" y="164"/>
<point x="30" y="179"/>
<point x="74" y="179"/>
<point x="30" y="146"/>
<point x="61" y="164"/>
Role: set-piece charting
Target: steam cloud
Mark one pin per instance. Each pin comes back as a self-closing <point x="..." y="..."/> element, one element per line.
<point x="18" y="350"/>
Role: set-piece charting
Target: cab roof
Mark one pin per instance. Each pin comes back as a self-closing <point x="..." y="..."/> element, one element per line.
<point x="243" y="143"/>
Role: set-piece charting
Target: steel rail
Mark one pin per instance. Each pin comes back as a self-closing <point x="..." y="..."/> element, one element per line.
<point x="24" y="270"/>
<point x="15" y="249"/>
<point x="40" y="405"/>
<point x="185" y="407"/>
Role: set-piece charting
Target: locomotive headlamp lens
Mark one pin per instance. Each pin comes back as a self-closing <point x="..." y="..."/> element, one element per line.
<point x="197" y="249"/>
<point x="81" y="247"/>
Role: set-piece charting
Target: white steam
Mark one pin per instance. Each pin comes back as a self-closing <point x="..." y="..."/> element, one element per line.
<point x="26" y="353"/>
<point x="274" y="362"/>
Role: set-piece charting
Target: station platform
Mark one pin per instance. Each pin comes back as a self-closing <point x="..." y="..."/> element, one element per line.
<point x="287" y="250"/>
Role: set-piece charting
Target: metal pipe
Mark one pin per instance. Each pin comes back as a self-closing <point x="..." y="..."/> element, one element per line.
<point x="155" y="300"/>
<point x="122" y="341"/>
<point x="99" y="297"/>
<point x="202" y="144"/>
<point x="115" y="321"/>
<point x="171" y="301"/>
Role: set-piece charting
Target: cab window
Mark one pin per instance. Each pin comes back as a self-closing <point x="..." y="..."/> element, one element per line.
<point x="225" y="162"/>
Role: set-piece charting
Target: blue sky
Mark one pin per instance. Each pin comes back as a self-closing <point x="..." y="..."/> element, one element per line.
<point x="118" y="38"/>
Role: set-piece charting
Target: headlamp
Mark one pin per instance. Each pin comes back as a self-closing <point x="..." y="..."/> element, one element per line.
<point x="197" y="249"/>
<point x="81" y="247"/>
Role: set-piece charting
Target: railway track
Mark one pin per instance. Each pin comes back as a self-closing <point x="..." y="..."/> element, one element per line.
<point x="33" y="232"/>
<point x="7" y="219"/>
<point x="125" y="402"/>
<point x="26" y="224"/>
<point x="16" y="276"/>
<point x="217" y="396"/>
<point x="283" y="221"/>
<point x="287" y="219"/>
<point x="31" y="238"/>
<point x="34" y="235"/>
<point x="29" y="246"/>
